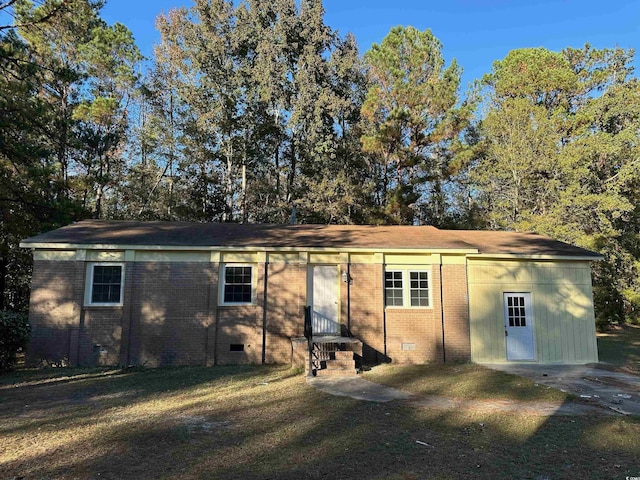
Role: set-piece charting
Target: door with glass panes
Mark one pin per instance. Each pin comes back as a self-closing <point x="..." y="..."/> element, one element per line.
<point x="518" y="326"/>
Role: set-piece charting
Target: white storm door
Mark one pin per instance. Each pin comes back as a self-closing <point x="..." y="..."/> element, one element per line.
<point x="325" y="300"/>
<point x="518" y="324"/>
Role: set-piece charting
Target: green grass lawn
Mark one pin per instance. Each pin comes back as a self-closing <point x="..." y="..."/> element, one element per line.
<point x="620" y="347"/>
<point x="265" y="422"/>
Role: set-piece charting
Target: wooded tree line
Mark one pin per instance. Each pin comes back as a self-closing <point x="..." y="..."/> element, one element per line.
<point x="251" y="112"/>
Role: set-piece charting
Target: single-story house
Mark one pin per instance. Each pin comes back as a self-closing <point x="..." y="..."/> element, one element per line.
<point x="178" y="293"/>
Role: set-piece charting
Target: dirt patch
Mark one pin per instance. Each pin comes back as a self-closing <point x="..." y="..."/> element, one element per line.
<point x="613" y="382"/>
<point x="614" y="391"/>
<point x="200" y="424"/>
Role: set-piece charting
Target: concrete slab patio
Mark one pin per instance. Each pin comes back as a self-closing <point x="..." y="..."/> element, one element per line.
<point x="616" y="391"/>
<point x="358" y="388"/>
<point x="598" y="389"/>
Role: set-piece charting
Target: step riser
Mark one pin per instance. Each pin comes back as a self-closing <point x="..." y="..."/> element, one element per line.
<point x="336" y="373"/>
<point x="335" y="367"/>
<point x="334" y="355"/>
<point x="338" y="364"/>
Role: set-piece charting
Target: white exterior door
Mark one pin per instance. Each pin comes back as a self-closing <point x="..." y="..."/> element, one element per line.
<point x="518" y="324"/>
<point x="324" y="300"/>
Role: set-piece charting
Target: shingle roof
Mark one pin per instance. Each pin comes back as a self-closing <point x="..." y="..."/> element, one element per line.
<point x="519" y="242"/>
<point x="184" y="234"/>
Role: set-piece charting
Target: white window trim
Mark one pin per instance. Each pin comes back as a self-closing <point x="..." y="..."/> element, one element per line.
<point x="222" y="283"/>
<point x="406" y="286"/>
<point x="428" y="272"/>
<point x="88" y="288"/>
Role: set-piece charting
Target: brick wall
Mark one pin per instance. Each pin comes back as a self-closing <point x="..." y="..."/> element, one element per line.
<point x="100" y="336"/>
<point x="286" y="298"/>
<point x="241" y="325"/>
<point x="367" y="310"/>
<point x="169" y="313"/>
<point x="419" y="328"/>
<point x="456" y="313"/>
<point x="170" y="316"/>
<point x="54" y="311"/>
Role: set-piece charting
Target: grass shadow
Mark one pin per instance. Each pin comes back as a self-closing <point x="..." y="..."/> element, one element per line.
<point x="266" y="422"/>
<point x="620" y="348"/>
<point x="464" y="381"/>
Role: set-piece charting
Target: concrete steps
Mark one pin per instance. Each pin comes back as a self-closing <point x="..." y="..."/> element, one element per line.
<point x="335" y="357"/>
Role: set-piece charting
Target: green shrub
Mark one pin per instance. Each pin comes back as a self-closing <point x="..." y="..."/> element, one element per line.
<point x="14" y="335"/>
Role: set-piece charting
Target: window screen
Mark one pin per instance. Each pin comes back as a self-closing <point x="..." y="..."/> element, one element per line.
<point x="393" y="289"/>
<point x="419" y="289"/>
<point x="107" y="284"/>
<point x="237" y="284"/>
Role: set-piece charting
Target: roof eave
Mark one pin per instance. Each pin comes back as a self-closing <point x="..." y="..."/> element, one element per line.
<point x="237" y="248"/>
<point x="524" y="256"/>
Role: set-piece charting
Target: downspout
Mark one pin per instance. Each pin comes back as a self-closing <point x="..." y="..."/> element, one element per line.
<point x="82" y="313"/>
<point x="217" y="313"/>
<point x="264" y="311"/>
<point x="384" y="315"/>
<point x="206" y="338"/>
<point x="444" y="351"/>
<point x="349" y="298"/>
<point x="128" y="272"/>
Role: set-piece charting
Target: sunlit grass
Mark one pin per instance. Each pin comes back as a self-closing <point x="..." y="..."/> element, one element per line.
<point x="266" y="422"/>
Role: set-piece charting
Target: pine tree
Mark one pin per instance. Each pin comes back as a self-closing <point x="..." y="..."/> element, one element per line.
<point x="412" y="115"/>
<point x="559" y="157"/>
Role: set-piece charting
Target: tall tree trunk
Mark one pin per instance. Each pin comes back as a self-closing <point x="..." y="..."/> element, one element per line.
<point x="228" y="213"/>
<point x="99" y="192"/>
<point x="4" y="264"/>
<point x="243" y="201"/>
<point x="63" y="139"/>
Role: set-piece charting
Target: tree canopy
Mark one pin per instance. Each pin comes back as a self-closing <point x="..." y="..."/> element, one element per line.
<point x="259" y="111"/>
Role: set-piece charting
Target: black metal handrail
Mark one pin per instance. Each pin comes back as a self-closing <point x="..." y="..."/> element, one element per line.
<point x="308" y="334"/>
<point x="308" y="328"/>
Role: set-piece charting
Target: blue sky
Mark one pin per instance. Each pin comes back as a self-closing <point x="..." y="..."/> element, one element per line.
<point x="475" y="32"/>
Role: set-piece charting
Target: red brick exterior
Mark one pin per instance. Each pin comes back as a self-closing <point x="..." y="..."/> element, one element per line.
<point x="54" y="311"/>
<point x="286" y="298"/>
<point x="367" y="310"/>
<point x="171" y="316"/>
<point x="420" y="328"/>
<point x="168" y="310"/>
<point x="457" y="337"/>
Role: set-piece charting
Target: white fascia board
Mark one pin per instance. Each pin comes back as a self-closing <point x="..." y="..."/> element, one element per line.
<point x="523" y="256"/>
<point x="77" y="246"/>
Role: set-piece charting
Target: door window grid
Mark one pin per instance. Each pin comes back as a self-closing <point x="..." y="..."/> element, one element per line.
<point x="516" y="314"/>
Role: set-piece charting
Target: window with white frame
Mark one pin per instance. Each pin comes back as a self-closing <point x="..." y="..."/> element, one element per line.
<point x="105" y="282"/>
<point x="406" y="287"/>
<point x="393" y="289"/>
<point x="419" y="288"/>
<point x="237" y="285"/>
